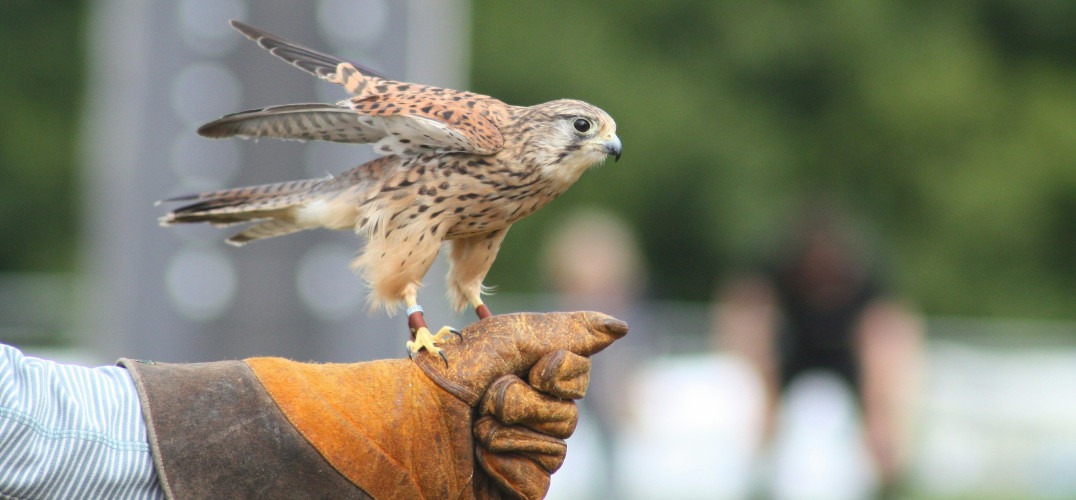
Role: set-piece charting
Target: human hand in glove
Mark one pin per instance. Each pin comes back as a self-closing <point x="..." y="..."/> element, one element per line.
<point x="490" y="424"/>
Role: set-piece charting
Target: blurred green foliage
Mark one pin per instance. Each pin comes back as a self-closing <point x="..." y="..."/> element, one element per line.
<point x="40" y="90"/>
<point x="949" y="127"/>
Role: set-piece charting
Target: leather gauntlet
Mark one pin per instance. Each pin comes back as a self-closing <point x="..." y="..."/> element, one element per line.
<point x="489" y="424"/>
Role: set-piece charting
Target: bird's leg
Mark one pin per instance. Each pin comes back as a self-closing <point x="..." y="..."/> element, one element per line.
<point x="470" y="258"/>
<point x="480" y="309"/>
<point x="420" y="333"/>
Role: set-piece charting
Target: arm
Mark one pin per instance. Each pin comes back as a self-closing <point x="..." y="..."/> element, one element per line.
<point x="889" y="344"/>
<point x="69" y="431"/>
<point x="745" y="324"/>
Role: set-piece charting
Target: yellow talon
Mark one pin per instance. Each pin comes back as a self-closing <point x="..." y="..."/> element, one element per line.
<point x="425" y="340"/>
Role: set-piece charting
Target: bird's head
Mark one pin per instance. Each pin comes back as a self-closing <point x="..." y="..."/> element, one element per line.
<point x="567" y="136"/>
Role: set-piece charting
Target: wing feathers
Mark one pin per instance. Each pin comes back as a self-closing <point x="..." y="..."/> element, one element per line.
<point x="402" y="118"/>
<point x="320" y="122"/>
<point x="321" y="65"/>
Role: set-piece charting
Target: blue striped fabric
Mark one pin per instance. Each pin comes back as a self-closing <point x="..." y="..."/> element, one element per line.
<point x="69" y="431"/>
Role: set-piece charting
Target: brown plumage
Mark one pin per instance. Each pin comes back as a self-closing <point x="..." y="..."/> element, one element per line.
<point x="458" y="166"/>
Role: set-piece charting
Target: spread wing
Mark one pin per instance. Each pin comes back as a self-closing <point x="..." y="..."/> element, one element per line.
<point x="329" y="68"/>
<point x="399" y="118"/>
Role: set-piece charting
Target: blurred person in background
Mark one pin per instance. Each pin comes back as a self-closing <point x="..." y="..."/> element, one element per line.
<point x="592" y="260"/>
<point x="822" y="306"/>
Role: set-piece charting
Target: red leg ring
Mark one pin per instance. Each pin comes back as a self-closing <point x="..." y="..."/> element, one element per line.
<point x="415" y="321"/>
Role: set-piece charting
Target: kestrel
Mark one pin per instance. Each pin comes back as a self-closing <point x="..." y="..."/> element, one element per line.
<point x="457" y="166"/>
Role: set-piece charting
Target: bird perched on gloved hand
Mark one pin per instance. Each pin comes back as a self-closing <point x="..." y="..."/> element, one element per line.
<point x="457" y="166"/>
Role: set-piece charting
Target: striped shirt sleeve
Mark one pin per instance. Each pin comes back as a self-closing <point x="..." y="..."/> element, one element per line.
<point x="68" y="431"/>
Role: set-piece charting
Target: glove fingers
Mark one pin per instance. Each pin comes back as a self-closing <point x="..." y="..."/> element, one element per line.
<point x="499" y="438"/>
<point x="512" y="401"/>
<point x="513" y="343"/>
<point x="563" y="374"/>
<point x="514" y="473"/>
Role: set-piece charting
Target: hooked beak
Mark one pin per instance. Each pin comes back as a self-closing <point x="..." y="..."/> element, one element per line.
<point x="612" y="147"/>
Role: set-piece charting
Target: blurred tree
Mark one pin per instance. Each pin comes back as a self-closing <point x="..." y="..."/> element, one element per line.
<point x="949" y="126"/>
<point x="40" y="88"/>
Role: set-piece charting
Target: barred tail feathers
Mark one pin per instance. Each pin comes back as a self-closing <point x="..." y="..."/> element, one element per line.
<point x="272" y="205"/>
<point x="262" y="230"/>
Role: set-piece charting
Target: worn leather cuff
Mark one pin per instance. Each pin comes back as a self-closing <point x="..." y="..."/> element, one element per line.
<point x="215" y="433"/>
<point x="383" y="424"/>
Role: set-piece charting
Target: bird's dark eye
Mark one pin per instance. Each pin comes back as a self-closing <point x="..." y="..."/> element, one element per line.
<point x="582" y="124"/>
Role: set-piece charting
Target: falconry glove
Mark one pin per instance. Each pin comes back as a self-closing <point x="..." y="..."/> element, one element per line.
<point x="491" y="424"/>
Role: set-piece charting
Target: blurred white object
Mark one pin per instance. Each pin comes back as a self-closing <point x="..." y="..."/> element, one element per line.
<point x="818" y="451"/>
<point x="583" y="473"/>
<point x="1000" y="420"/>
<point x="694" y="425"/>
